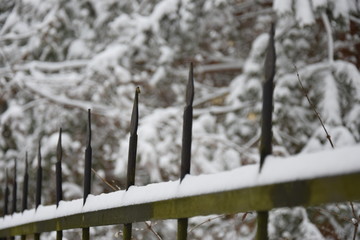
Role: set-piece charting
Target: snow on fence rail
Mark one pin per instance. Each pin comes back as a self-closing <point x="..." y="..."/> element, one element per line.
<point x="306" y="180"/>
<point x="282" y="182"/>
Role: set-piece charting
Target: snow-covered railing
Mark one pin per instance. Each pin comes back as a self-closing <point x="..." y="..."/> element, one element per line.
<point x="307" y="180"/>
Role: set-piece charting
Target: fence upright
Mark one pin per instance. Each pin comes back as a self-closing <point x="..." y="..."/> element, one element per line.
<point x="131" y="168"/>
<point x="59" y="195"/>
<point x="87" y="173"/>
<point x="38" y="185"/>
<point x="24" y="203"/>
<point x="186" y="146"/>
<point x="266" y="124"/>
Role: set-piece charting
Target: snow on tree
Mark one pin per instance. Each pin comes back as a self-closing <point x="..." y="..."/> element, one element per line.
<point x="59" y="58"/>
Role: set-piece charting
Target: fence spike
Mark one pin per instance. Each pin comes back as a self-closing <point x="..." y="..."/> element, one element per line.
<point x="186" y="145"/>
<point x="38" y="178"/>
<point x="59" y="194"/>
<point x="132" y="155"/>
<point x="14" y="192"/>
<point x="187" y="126"/>
<point x="59" y="170"/>
<point x="87" y="172"/>
<point x="38" y="185"/>
<point x="25" y="189"/>
<point x="267" y="108"/>
<point x="24" y="205"/>
<point x="266" y="124"/>
<point x="88" y="160"/>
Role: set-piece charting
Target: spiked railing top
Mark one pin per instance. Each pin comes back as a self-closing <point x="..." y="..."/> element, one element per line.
<point x="15" y="166"/>
<point x="59" y="148"/>
<point x="190" y="87"/>
<point x="135" y="113"/>
<point x="270" y="60"/>
<point x="39" y="154"/>
<point x="26" y="163"/>
<point x="267" y="107"/>
<point x="89" y="129"/>
<point x="6" y="178"/>
<point x="187" y="126"/>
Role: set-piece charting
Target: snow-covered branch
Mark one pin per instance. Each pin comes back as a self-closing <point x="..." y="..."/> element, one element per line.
<point x="326" y="22"/>
<point x="109" y="111"/>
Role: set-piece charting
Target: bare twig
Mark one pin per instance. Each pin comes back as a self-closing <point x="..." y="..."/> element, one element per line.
<point x="104" y="181"/>
<point x="152" y="230"/>
<point x="206" y="221"/>
<point x="313" y="108"/>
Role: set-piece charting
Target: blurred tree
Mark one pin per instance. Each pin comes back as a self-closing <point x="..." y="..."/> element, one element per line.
<point x="59" y="58"/>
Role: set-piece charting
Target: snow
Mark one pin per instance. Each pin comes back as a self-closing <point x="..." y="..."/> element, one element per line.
<point x="304" y="14"/>
<point x="275" y="170"/>
<point x="282" y="6"/>
<point x="341" y="9"/>
<point x="319" y="3"/>
<point x="330" y="104"/>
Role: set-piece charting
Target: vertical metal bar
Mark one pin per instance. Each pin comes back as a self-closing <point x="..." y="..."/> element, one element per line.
<point x="14" y="193"/>
<point x="186" y="145"/>
<point x="266" y="124"/>
<point x="38" y="185"/>
<point x="24" y="204"/>
<point x="59" y="194"/>
<point x="6" y="197"/>
<point x="87" y="172"/>
<point x="132" y="155"/>
<point x="25" y="192"/>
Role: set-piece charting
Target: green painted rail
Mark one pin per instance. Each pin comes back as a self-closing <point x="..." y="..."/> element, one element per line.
<point x="309" y="192"/>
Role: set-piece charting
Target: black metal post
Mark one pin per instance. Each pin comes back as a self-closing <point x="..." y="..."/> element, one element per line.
<point x="59" y="196"/>
<point x="266" y="123"/>
<point x="14" y="192"/>
<point x="87" y="172"/>
<point x="6" y="197"/>
<point x="186" y="145"/>
<point x="132" y="155"/>
<point x="38" y="185"/>
<point x="25" y="190"/>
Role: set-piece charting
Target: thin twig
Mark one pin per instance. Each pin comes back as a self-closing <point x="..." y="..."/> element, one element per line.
<point x="104" y="180"/>
<point x="152" y="230"/>
<point x="206" y="221"/>
<point x="313" y="108"/>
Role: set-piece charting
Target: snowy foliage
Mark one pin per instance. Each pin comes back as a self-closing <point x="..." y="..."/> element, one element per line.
<point x="59" y="58"/>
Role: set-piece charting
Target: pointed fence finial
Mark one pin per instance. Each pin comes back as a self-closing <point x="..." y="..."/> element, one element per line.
<point x="25" y="184"/>
<point x="267" y="107"/>
<point x="14" y="192"/>
<point x="59" y="193"/>
<point x="132" y="154"/>
<point x="266" y="124"/>
<point x="187" y="126"/>
<point x="59" y="170"/>
<point x="186" y="145"/>
<point x="88" y="160"/>
<point x="87" y="172"/>
<point x="38" y="178"/>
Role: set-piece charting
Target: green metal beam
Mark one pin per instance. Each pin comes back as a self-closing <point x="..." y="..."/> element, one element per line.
<point x="259" y="198"/>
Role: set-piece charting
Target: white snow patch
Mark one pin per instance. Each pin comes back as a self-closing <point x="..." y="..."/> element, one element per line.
<point x="282" y="6"/>
<point x="304" y="14"/>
